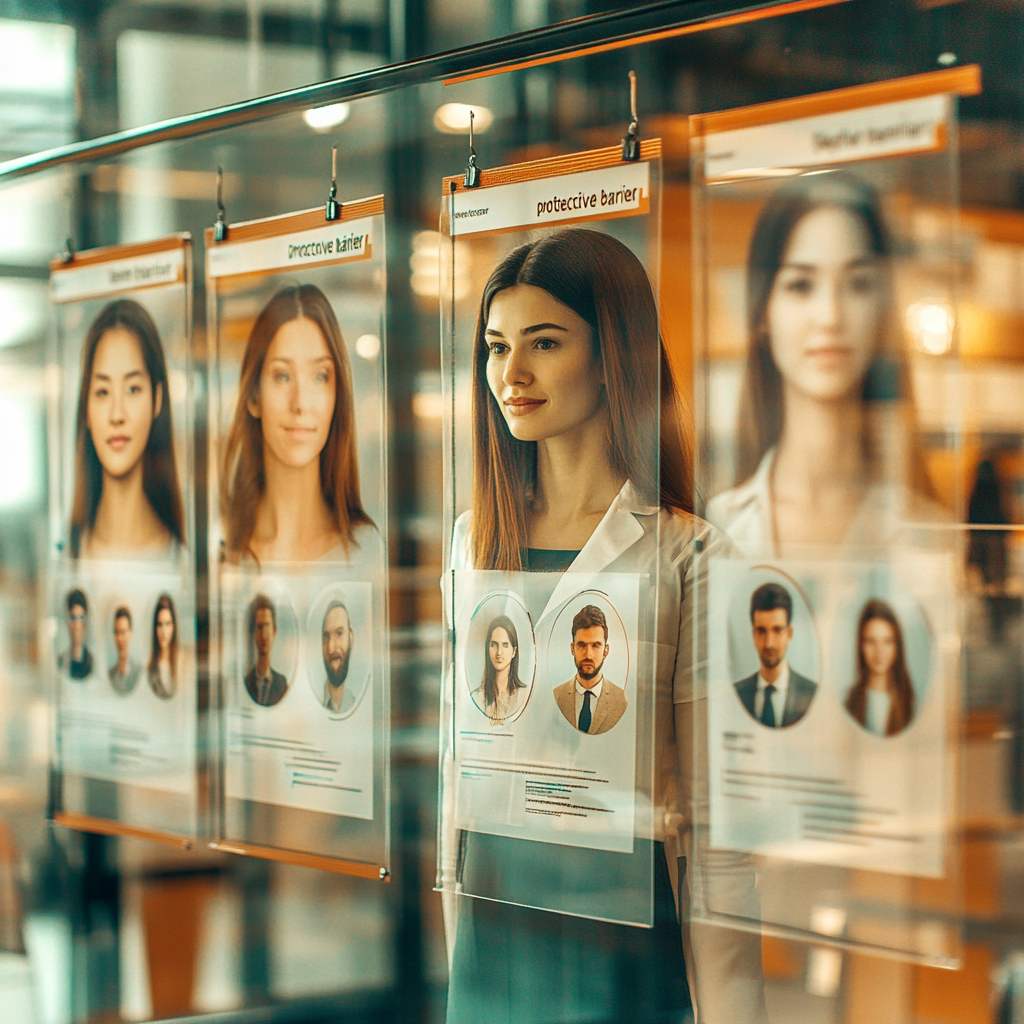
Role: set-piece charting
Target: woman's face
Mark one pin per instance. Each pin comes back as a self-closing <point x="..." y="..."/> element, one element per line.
<point x="164" y="629"/>
<point x="121" y="404"/>
<point x="296" y="395"/>
<point x="541" y="365"/>
<point x="825" y="310"/>
<point x="500" y="649"/>
<point x="878" y="645"/>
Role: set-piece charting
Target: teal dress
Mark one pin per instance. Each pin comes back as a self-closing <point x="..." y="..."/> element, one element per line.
<point x="516" y="965"/>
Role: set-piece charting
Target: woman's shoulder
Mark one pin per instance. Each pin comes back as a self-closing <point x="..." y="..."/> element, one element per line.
<point x="684" y="536"/>
<point x="461" y="552"/>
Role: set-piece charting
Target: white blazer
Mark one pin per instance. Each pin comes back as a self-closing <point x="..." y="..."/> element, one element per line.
<point x="746" y="513"/>
<point x="723" y="965"/>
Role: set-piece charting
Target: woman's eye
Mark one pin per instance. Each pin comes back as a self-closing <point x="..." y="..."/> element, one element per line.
<point x="497" y="348"/>
<point x="280" y="377"/>
<point x="862" y="284"/>
<point x="322" y="377"/>
<point x="799" y="286"/>
<point x="546" y="344"/>
<point x="100" y="393"/>
<point x="134" y="389"/>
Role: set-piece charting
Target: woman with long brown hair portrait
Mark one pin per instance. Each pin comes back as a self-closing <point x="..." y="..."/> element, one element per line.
<point x="162" y="670"/>
<point x="581" y="463"/>
<point x="126" y="497"/>
<point x="882" y="698"/>
<point x="827" y="444"/>
<point x="501" y="691"/>
<point x="291" y="475"/>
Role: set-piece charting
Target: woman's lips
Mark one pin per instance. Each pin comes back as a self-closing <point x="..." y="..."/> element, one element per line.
<point x="118" y="441"/>
<point x="523" y="406"/>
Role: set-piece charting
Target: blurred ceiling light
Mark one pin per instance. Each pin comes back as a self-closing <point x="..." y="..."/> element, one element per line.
<point x="368" y="346"/>
<point x="931" y="325"/>
<point x="425" y="264"/>
<point x="453" y="118"/>
<point x="427" y="405"/>
<point x="37" y="58"/>
<point x="322" y="118"/>
<point x="946" y="58"/>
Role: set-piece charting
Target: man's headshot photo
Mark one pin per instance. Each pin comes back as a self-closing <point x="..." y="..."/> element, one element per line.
<point x="124" y="673"/>
<point x="776" y="695"/>
<point x="336" y="641"/>
<point x="76" y="661"/>
<point x="588" y="701"/>
<point x="264" y="683"/>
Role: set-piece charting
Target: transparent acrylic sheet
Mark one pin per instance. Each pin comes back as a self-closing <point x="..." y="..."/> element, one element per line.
<point x="126" y="709"/>
<point x="534" y="811"/>
<point x="304" y="765"/>
<point x="825" y="291"/>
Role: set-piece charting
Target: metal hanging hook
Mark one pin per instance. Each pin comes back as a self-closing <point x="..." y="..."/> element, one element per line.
<point x="220" y="227"/>
<point x="631" y="140"/>
<point x="332" y="209"/>
<point x="471" y="179"/>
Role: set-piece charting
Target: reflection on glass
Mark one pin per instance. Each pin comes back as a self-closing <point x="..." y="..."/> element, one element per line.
<point x="825" y="423"/>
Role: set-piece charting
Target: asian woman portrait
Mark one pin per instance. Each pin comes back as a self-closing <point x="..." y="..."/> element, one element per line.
<point x="501" y="691"/>
<point x="571" y="383"/>
<point x="162" y="670"/>
<point x="126" y="497"/>
<point x="291" y="475"/>
<point x="827" y="445"/>
<point x="882" y="698"/>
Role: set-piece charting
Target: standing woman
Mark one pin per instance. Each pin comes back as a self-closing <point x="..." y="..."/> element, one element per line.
<point x="827" y="443"/>
<point x="566" y="405"/>
<point x="499" y="693"/>
<point x="882" y="698"/>
<point x="162" y="670"/>
<point x="126" y="498"/>
<point x="291" y="471"/>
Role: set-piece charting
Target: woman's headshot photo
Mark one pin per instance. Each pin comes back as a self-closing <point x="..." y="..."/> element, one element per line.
<point x="126" y="497"/>
<point x="162" y="670"/>
<point x="290" y="473"/>
<point x="826" y="383"/>
<point x="501" y="693"/>
<point x="882" y="698"/>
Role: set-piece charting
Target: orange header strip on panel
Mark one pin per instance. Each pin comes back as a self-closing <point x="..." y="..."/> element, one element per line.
<point x="105" y="827"/>
<point x="965" y="81"/>
<point x="90" y="257"/>
<point x="358" y="869"/>
<point x="551" y="166"/>
<point x="286" y="223"/>
<point x="726" y="21"/>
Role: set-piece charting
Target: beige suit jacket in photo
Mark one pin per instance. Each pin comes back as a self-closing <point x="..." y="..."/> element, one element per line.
<point x="608" y="711"/>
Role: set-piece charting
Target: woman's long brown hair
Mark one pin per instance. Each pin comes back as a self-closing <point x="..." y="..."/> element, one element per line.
<point x="244" y="477"/>
<point x="886" y="384"/>
<point x="604" y="283"/>
<point x="163" y="603"/>
<point x="901" y="690"/>
<point x="159" y="471"/>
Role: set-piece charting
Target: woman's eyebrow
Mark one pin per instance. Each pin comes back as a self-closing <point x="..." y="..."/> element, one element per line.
<point x="544" y="327"/>
<point x="107" y="377"/>
<point x="808" y="268"/>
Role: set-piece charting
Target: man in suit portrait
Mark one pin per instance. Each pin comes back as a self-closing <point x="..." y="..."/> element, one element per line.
<point x="77" y="660"/>
<point x="337" y="639"/>
<point x="776" y="695"/>
<point x="124" y="673"/>
<point x="264" y="683"/>
<point x="588" y="701"/>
